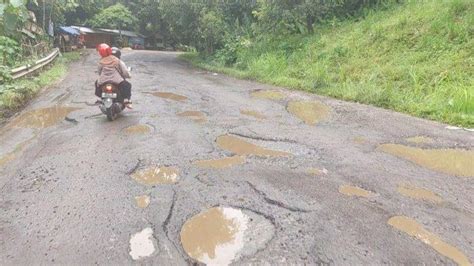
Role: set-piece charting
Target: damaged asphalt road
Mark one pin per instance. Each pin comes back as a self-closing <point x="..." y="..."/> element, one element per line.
<point x="211" y="169"/>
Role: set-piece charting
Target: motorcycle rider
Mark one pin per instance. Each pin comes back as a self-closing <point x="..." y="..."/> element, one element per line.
<point x="113" y="70"/>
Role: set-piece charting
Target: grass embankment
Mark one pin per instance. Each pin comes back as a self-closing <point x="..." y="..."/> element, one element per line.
<point x="416" y="58"/>
<point x="21" y="91"/>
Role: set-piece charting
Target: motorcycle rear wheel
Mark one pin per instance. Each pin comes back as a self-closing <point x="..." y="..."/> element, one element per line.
<point x="111" y="114"/>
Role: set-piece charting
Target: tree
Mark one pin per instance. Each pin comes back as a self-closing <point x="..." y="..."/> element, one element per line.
<point x="116" y="16"/>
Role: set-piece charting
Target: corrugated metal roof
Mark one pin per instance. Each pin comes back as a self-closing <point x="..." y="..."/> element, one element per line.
<point x="124" y="33"/>
<point x="69" y="30"/>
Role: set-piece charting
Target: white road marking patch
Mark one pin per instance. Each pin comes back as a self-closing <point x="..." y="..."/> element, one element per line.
<point x="141" y="244"/>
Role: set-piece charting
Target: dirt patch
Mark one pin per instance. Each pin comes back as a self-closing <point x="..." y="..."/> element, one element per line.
<point x="414" y="229"/>
<point x="310" y="112"/>
<point x="221" y="163"/>
<point x="449" y="161"/>
<point x="242" y="147"/>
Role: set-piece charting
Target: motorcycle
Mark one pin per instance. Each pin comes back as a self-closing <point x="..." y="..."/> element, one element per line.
<point x="112" y="102"/>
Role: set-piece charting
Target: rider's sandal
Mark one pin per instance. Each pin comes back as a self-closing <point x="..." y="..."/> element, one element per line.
<point x="128" y="104"/>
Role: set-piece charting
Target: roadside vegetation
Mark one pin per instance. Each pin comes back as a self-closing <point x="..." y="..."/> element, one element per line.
<point x="411" y="56"/>
<point x="416" y="57"/>
<point x="14" y="95"/>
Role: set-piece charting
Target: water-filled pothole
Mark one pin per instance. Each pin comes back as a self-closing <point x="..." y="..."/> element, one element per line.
<point x="420" y="140"/>
<point x="142" y="201"/>
<point x="156" y="176"/>
<point x="317" y="171"/>
<point x="171" y="96"/>
<point x="252" y="113"/>
<point x="414" y="229"/>
<point x="310" y="112"/>
<point x="418" y="193"/>
<point x="449" y="161"/>
<point x="138" y="129"/>
<point x="221" y="235"/>
<point x="142" y="244"/>
<point x="242" y="147"/>
<point x="43" y="118"/>
<point x="221" y="163"/>
<point x="271" y="95"/>
<point x="354" y="191"/>
<point x="196" y="116"/>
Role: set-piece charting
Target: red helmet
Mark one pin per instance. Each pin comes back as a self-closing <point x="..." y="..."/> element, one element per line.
<point x="104" y="49"/>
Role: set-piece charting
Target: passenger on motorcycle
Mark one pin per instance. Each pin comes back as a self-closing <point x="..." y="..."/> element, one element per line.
<point x="113" y="70"/>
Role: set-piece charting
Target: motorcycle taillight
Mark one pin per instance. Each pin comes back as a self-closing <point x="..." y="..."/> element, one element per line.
<point x="108" y="87"/>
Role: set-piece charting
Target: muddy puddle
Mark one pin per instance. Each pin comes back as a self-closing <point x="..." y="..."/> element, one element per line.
<point x="43" y="118"/>
<point x="156" y="176"/>
<point x="221" y="163"/>
<point x="242" y="147"/>
<point x="142" y="244"/>
<point x="271" y="95"/>
<point x="254" y="114"/>
<point x="140" y="129"/>
<point x="310" y="112"/>
<point x="413" y="192"/>
<point x="414" y="229"/>
<point x="220" y="235"/>
<point x="449" y="161"/>
<point x="359" y="140"/>
<point x="354" y="191"/>
<point x="196" y="116"/>
<point x="142" y="201"/>
<point x="317" y="171"/>
<point x="420" y="140"/>
<point x="170" y="96"/>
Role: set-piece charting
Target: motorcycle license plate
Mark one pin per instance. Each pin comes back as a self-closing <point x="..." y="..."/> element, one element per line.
<point x="109" y="95"/>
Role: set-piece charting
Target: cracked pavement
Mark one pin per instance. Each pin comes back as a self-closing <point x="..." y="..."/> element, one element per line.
<point x="67" y="196"/>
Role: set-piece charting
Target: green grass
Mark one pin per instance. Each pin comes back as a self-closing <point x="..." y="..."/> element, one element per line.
<point x="22" y="90"/>
<point x="416" y="58"/>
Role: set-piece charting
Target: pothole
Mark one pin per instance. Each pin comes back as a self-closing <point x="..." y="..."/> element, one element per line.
<point x="420" y="140"/>
<point x="268" y="94"/>
<point x="449" y="161"/>
<point x="43" y="118"/>
<point x="142" y="244"/>
<point x="171" y="96"/>
<point x="156" y="176"/>
<point x="242" y="147"/>
<point x="310" y="112"/>
<point x="138" y="129"/>
<point x="222" y="235"/>
<point x="142" y="201"/>
<point x="418" y="193"/>
<point x="221" y="163"/>
<point x="317" y="171"/>
<point x="354" y="191"/>
<point x="359" y="140"/>
<point x="414" y="229"/>
<point x="252" y="113"/>
<point x="196" y="116"/>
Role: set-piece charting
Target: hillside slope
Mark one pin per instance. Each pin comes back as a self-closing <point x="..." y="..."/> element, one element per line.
<point x="416" y="58"/>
